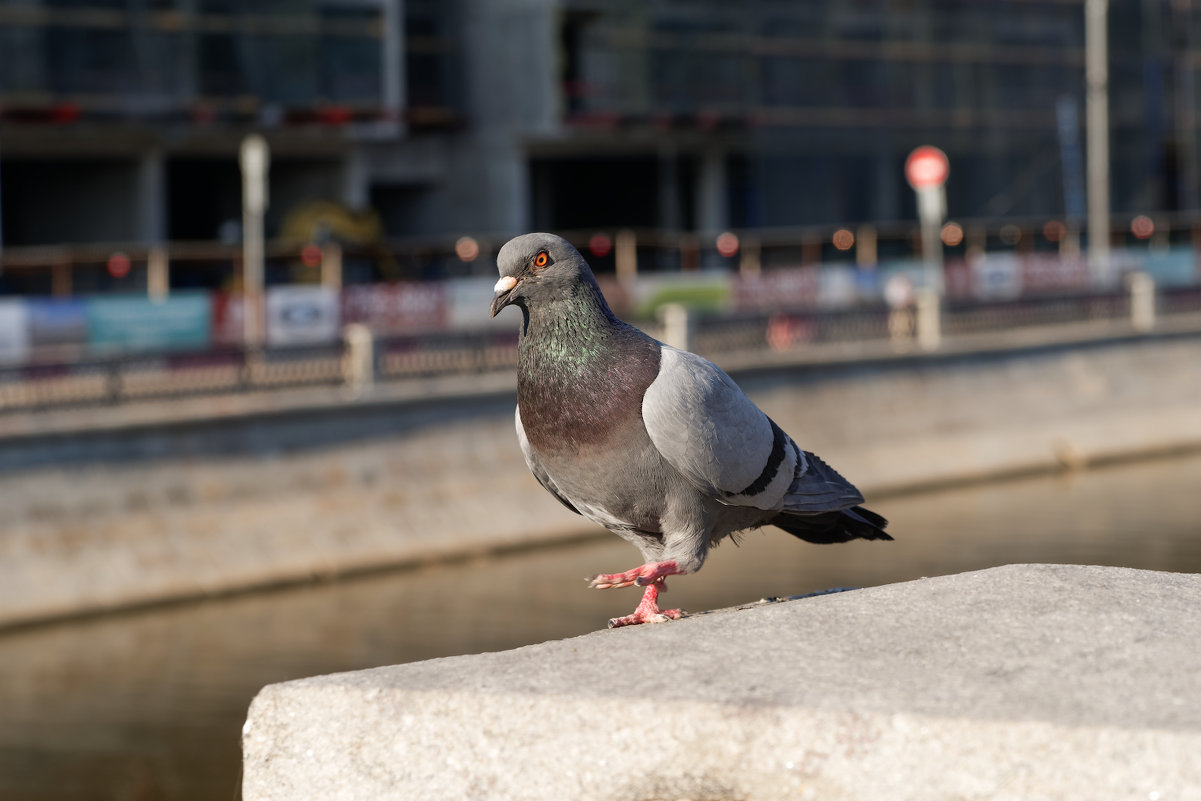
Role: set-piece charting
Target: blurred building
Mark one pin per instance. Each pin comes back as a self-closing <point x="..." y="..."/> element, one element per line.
<point x="120" y="119"/>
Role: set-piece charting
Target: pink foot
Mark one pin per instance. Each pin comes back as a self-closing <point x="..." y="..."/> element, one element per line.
<point x="642" y="576"/>
<point x="648" y="610"/>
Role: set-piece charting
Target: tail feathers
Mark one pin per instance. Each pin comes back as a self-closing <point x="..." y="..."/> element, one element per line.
<point x="844" y="525"/>
<point x="819" y="488"/>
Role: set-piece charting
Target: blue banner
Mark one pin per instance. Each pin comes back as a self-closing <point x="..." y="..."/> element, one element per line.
<point x="57" y="321"/>
<point x="127" y="322"/>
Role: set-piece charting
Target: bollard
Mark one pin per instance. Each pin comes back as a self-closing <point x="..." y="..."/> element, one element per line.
<point x="358" y="363"/>
<point x="253" y="368"/>
<point x="677" y="325"/>
<point x="1142" y="301"/>
<point x="929" y="319"/>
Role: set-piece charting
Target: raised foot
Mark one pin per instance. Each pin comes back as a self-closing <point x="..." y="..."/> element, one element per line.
<point x="641" y="576"/>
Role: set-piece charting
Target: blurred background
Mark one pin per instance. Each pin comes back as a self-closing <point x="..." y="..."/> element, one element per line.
<point x="255" y="423"/>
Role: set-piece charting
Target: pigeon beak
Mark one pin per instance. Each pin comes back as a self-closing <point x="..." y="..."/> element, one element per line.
<point x="504" y="293"/>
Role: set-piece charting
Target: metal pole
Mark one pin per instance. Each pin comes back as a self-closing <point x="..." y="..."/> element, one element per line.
<point x="931" y="209"/>
<point x="751" y="261"/>
<point x="254" y="159"/>
<point x="331" y="266"/>
<point x="1" y="218"/>
<point x="393" y="62"/>
<point x="158" y="280"/>
<point x="1186" y="103"/>
<point x="1096" y="78"/>
<point x="866" y="246"/>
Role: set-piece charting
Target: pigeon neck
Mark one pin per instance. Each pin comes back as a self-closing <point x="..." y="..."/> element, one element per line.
<point x="581" y="372"/>
<point x="578" y="317"/>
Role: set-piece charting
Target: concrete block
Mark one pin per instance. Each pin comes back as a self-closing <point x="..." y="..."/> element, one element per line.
<point x="1023" y="682"/>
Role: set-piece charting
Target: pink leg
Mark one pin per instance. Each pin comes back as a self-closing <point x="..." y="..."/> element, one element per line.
<point x="648" y="608"/>
<point x="642" y="576"/>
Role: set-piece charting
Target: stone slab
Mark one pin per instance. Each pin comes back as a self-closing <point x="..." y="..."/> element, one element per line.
<point x="1022" y="682"/>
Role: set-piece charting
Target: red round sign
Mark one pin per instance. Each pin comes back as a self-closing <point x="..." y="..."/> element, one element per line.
<point x="927" y="167"/>
<point x="118" y="265"/>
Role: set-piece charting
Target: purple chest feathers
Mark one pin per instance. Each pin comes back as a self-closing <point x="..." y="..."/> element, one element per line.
<point x="581" y="403"/>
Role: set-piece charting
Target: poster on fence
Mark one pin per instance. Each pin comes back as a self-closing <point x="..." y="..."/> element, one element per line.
<point x="14" y="332"/>
<point x="397" y="308"/>
<point x="1169" y="267"/>
<point x="467" y="301"/>
<point x="135" y="322"/>
<point x="229" y="319"/>
<point x="1051" y="272"/>
<point x="57" y="321"/>
<point x="705" y="290"/>
<point x="302" y="315"/>
<point x="782" y="288"/>
<point x="996" y="276"/>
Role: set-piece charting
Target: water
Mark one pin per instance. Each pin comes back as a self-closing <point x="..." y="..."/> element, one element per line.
<point x="149" y="705"/>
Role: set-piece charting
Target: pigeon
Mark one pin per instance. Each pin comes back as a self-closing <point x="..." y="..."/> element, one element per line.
<point x="655" y="444"/>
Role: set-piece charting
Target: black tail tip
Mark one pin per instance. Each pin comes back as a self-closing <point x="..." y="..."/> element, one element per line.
<point x="844" y="525"/>
<point x="874" y="523"/>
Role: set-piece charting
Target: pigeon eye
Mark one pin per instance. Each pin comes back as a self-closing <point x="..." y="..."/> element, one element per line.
<point x="542" y="259"/>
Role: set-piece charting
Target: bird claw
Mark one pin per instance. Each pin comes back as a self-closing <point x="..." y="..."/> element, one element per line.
<point x="641" y="576"/>
<point x="639" y="617"/>
<point x="603" y="582"/>
<point x="648" y="610"/>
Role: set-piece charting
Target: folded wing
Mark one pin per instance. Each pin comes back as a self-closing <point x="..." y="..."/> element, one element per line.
<point x="709" y="430"/>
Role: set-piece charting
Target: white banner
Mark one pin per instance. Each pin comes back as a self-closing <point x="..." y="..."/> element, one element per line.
<point x="302" y="315"/>
<point x="14" y="332"/>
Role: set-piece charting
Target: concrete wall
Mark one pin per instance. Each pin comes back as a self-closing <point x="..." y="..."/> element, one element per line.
<point x="1024" y="682"/>
<point x="109" y="508"/>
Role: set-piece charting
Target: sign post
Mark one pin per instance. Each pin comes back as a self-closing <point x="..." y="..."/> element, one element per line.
<point x="1" y="227"/>
<point x="1096" y="112"/>
<point x="254" y="159"/>
<point x="927" y="169"/>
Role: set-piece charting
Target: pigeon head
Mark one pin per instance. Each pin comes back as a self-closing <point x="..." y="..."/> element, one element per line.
<point x="536" y="269"/>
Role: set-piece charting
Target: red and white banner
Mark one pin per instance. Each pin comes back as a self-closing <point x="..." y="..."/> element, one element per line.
<point x="778" y="289"/>
<point x="397" y="308"/>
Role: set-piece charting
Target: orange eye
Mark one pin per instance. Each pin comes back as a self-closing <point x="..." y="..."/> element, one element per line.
<point x="542" y="259"/>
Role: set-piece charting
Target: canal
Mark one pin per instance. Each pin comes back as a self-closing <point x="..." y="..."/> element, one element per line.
<point x="149" y="705"/>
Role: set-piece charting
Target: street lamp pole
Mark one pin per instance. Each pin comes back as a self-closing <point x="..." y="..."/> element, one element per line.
<point x="1" y="219"/>
<point x="1096" y="78"/>
<point x="254" y="159"/>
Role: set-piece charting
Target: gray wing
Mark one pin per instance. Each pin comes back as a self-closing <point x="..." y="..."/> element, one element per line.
<point x="705" y="427"/>
<point x="531" y="461"/>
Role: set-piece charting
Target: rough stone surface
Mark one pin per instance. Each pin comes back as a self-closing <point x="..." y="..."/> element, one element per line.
<point x="1023" y="682"/>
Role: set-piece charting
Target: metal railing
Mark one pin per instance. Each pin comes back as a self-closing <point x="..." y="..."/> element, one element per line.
<point x="361" y="359"/>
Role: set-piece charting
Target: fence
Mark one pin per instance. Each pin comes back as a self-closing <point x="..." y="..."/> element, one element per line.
<point x="360" y="359"/>
<point x="1165" y="246"/>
